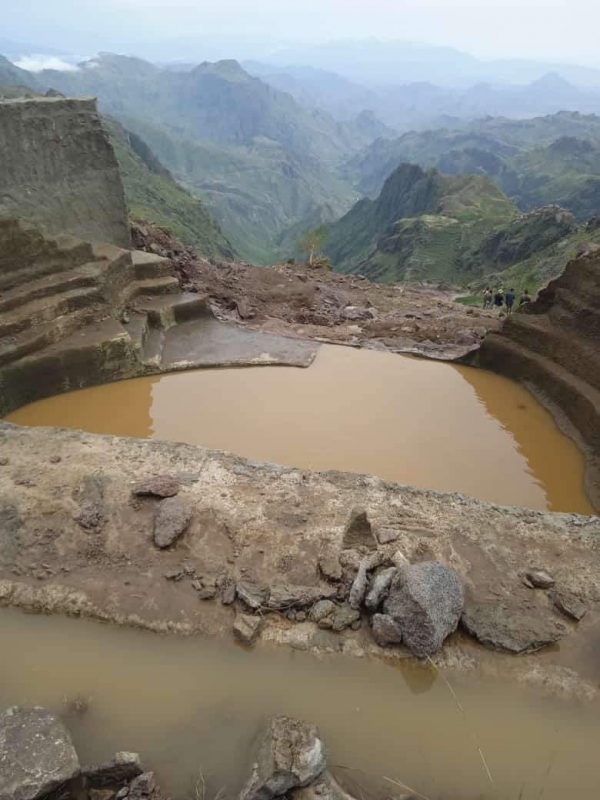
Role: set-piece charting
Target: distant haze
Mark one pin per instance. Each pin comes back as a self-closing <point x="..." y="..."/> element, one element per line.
<point x="552" y="30"/>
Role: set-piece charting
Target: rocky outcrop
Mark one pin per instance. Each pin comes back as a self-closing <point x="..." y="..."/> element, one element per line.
<point x="553" y="346"/>
<point x="58" y="168"/>
<point x="36" y="754"/>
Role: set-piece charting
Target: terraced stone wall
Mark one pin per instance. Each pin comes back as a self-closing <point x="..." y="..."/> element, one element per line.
<point x="58" y="169"/>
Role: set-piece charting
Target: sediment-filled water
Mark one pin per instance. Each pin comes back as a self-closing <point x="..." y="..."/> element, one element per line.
<point x="411" y="421"/>
<point x="191" y="704"/>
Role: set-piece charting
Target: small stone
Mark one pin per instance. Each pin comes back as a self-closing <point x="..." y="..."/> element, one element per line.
<point x="540" y="578"/>
<point x="399" y="560"/>
<point x="291" y="615"/>
<point x="246" y="628"/>
<point x="387" y="535"/>
<point x="301" y="616"/>
<point x="358" y="531"/>
<point x="386" y="630"/>
<point x="197" y="585"/>
<point x="101" y="794"/>
<point x="208" y="593"/>
<point x="171" y="518"/>
<point x="55" y="459"/>
<point x="359" y="586"/>
<point x="175" y="575"/>
<point x="123" y="768"/>
<point x="343" y="617"/>
<point x="356" y="625"/>
<point x="379" y="588"/>
<point x="228" y="596"/>
<point x="568" y="604"/>
<point x="157" y="486"/>
<point x="321" y="610"/>
<point x="253" y="595"/>
<point x="142" y="786"/>
<point x="330" y="567"/>
<point x="3" y="461"/>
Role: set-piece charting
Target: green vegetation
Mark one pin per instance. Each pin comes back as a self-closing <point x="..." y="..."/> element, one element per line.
<point x="152" y="194"/>
<point x="311" y="242"/>
<point x="536" y="162"/>
<point x="265" y="166"/>
<point x="421" y="226"/>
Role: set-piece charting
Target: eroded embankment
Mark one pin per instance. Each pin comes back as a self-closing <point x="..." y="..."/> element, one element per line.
<point x="77" y="541"/>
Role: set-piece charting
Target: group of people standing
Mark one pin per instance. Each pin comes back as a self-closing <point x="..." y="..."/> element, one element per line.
<point x="498" y="298"/>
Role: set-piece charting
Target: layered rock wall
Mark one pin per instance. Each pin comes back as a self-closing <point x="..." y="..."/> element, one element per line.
<point x="58" y="169"/>
<point x="553" y="346"/>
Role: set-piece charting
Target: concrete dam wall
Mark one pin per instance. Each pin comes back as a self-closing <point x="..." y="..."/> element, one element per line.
<point x="58" y="169"/>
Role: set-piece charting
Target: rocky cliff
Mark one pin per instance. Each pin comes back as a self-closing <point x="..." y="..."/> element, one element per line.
<point x="58" y="169"/>
<point x="553" y="346"/>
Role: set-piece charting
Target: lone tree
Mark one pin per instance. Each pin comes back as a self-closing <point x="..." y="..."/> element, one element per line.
<point x="311" y="242"/>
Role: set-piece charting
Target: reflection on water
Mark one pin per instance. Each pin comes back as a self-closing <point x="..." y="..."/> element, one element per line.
<point x="186" y="703"/>
<point x="417" y="422"/>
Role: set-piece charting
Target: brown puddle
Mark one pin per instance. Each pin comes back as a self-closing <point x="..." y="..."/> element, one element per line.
<point x="191" y="703"/>
<point x="410" y="421"/>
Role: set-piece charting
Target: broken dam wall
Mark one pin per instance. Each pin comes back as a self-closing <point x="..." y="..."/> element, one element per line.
<point x="58" y="169"/>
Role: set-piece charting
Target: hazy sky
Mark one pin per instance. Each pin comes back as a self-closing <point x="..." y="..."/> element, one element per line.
<point x="537" y="29"/>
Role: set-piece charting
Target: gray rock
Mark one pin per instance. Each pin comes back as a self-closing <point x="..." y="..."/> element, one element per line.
<point x="358" y="531"/>
<point x="399" y="560"/>
<point x="386" y="535"/>
<point x="330" y="567"/>
<point x="292" y="755"/>
<point x="123" y="768"/>
<point x="171" y="518"/>
<point x="386" y="630"/>
<point x="426" y="600"/>
<point x="286" y="596"/>
<point x="507" y="627"/>
<point x="568" y="604"/>
<point x="92" y="517"/>
<point x="157" y="486"/>
<point x="321" y="610"/>
<point x="253" y="595"/>
<point x="323" y="788"/>
<point x="246" y="628"/>
<point x="359" y="586"/>
<point x="540" y="578"/>
<point x="175" y="575"/>
<point x="301" y="616"/>
<point x="36" y="754"/>
<point x="143" y="786"/>
<point x="379" y="588"/>
<point x="344" y="617"/>
<point x="228" y="597"/>
<point x="207" y="593"/>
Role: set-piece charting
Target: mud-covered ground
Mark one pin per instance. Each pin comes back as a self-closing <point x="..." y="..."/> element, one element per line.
<point x="77" y="540"/>
<point x="295" y="300"/>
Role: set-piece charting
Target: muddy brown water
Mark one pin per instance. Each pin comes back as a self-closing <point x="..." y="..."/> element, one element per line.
<point x="411" y="421"/>
<point x="193" y="703"/>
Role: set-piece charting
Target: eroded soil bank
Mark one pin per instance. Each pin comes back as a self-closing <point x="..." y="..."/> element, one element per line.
<point x="197" y="704"/>
<point x="420" y="423"/>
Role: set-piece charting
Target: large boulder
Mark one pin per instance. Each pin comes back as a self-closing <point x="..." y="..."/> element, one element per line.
<point x="426" y="601"/>
<point x="504" y="626"/>
<point x="292" y="755"/>
<point x="36" y="754"/>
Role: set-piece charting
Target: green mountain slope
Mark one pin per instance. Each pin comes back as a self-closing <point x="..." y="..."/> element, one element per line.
<point x="261" y="162"/>
<point x="421" y="226"/>
<point x="14" y="76"/>
<point x="536" y="162"/>
<point x="152" y="194"/>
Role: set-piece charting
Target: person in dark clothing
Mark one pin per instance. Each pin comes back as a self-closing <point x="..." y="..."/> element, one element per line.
<point x="499" y="298"/>
<point x="509" y="299"/>
<point x="525" y="298"/>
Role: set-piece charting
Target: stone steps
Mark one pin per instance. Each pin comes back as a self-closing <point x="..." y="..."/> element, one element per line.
<point x="150" y="287"/>
<point x="55" y="283"/>
<point x="47" y="309"/>
<point x="149" y="265"/>
<point x="540" y="334"/>
<point x="579" y="401"/>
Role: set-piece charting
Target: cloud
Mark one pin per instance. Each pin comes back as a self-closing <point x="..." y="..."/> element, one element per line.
<point x="38" y="62"/>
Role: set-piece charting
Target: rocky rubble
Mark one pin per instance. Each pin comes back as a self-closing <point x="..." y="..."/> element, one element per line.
<point x="295" y="300"/>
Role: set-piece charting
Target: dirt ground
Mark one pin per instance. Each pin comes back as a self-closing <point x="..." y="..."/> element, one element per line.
<point x="295" y="300"/>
